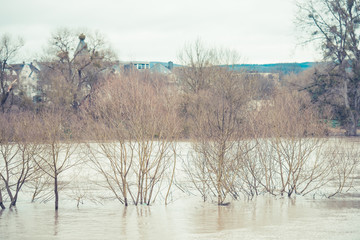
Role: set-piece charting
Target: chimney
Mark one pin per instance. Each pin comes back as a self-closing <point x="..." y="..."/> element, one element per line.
<point x="170" y="65"/>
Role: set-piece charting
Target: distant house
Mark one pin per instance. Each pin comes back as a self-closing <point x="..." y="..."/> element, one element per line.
<point x="140" y="65"/>
<point x="161" y="68"/>
<point x="27" y="76"/>
<point x="154" y="67"/>
<point x="28" y="81"/>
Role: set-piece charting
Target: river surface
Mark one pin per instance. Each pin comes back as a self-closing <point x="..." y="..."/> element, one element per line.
<point x="187" y="218"/>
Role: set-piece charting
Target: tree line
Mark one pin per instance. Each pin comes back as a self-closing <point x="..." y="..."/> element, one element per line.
<point x="248" y="135"/>
<point x="246" y="138"/>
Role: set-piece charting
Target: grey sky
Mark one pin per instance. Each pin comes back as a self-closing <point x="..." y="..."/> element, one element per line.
<point x="261" y="31"/>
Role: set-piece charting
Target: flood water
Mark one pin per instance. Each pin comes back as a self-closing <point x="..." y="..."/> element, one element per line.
<point x="187" y="218"/>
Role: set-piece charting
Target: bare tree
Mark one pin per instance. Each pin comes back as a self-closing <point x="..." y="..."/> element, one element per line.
<point x="2" y="206"/>
<point x="334" y="25"/>
<point x="39" y="185"/>
<point x="198" y="61"/>
<point x="17" y="152"/>
<point x="217" y="124"/>
<point x="195" y="168"/>
<point x="293" y="161"/>
<point x="135" y="127"/>
<point x="58" y="132"/>
<point x="198" y="71"/>
<point x="9" y="48"/>
<point x="8" y="151"/>
<point x="201" y="66"/>
<point x="28" y="149"/>
<point x="216" y="98"/>
<point x="344" y="160"/>
<point x="73" y="66"/>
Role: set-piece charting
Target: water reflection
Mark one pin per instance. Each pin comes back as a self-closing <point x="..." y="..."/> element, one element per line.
<point x="124" y="225"/>
<point x="56" y="222"/>
<point x="339" y="204"/>
<point x="260" y="218"/>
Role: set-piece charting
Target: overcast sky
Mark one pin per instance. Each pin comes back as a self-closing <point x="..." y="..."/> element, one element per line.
<point x="262" y="31"/>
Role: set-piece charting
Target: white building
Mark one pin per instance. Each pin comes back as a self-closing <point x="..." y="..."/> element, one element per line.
<point x="28" y="81"/>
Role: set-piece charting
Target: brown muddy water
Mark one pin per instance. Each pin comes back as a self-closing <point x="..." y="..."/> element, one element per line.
<point x="188" y="218"/>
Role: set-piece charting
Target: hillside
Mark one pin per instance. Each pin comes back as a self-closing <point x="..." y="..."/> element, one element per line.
<point x="285" y="68"/>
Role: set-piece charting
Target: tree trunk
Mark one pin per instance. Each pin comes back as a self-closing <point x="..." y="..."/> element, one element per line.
<point x="351" y="127"/>
<point x="218" y="185"/>
<point x="9" y="193"/>
<point x="172" y="178"/>
<point x="12" y="204"/>
<point x="56" y="193"/>
<point x="125" y="193"/>
<point x="1" y="201"/>
<point x="351" y="130"/>
<point x="14" y="200"/>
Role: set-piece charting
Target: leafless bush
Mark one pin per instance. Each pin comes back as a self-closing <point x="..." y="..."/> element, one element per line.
<point x="17" y="152"/>
<point x="217" y="117"/>
<point x="58" y="139"/>
<point x="39" y="185"/>
<point x="290" y="153"/>
<point x="8" y="151"/>
<point x="134" y="126"/>
<point x="344" y="159"/>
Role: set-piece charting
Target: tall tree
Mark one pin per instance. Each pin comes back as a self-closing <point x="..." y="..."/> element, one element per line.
<point x="73" y="65"/>
<point x="199" y="61"/>
<point x="334" y="25"/>
<point x="134" y="124"/>
<point x="215" y="105"/>
<point x="9" y="48"/>
<point x="17" y="151"/>
<point x="217" y="126"/>
<point x="58" y="135"/>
